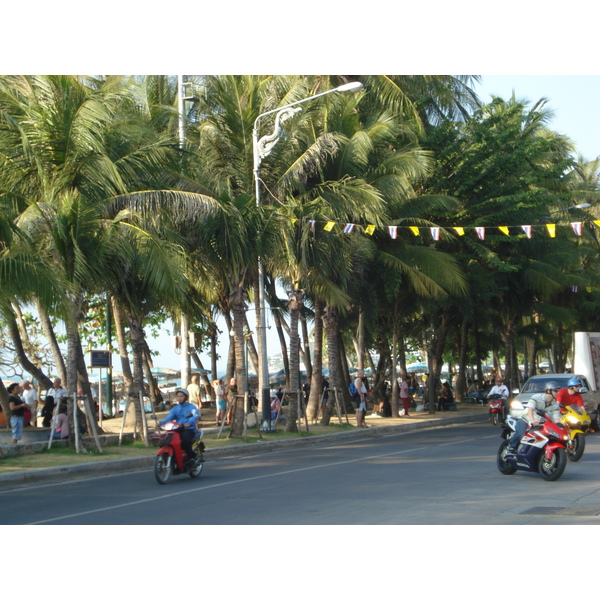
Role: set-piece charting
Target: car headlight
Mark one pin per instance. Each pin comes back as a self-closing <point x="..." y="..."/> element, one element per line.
<point x="516" y="405"/>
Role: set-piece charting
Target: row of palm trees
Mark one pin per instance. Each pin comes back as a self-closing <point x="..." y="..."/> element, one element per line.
<point x="98" y="196"/>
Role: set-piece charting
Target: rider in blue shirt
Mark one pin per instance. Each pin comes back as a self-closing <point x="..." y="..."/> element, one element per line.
<point x="185" y="414"/>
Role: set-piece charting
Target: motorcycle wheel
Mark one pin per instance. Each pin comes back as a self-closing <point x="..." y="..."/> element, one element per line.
<point x="575" y="452"/>
<point x="195" y="473"/>
<point x="552" y="469"/>
<point x="163" y="469"/>
<point x="495" y="419"/>
<point x="505" y="467"/>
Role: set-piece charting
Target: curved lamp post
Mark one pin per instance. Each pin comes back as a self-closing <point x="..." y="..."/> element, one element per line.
<point x="261" y="148"/>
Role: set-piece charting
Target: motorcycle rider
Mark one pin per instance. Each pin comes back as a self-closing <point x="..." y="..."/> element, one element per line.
<point x="500" y="389"/>
<point x="570" y="394"/>
<point x="546" y="402"/>
<point x="185" y="414"/>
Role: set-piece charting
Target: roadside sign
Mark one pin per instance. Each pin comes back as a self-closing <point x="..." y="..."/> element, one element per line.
<point x="100" y="359"/>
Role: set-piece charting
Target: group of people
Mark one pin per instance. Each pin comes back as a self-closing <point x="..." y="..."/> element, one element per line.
<point x="23" y="404"/>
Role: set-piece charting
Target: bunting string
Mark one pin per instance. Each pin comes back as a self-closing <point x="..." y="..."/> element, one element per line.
<point x="481" y="232"/>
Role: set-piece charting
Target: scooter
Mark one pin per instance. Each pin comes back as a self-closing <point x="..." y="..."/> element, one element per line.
<point x="541" y="450"/>
<point x="497" y="409"/>
<point x="171" y="459"/>
<point x="578" y="423"/>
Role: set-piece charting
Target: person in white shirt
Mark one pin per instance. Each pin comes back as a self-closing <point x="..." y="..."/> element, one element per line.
<point x="499" y="389"/>
<point x="29" y="396"/>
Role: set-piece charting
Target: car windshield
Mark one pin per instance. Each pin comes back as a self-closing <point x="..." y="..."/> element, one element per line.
<point x="534" y="385"/>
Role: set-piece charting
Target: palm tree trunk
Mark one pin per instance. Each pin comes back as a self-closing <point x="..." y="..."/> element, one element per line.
<point x="59" y="362"/>
<point x="119" y="320"/>
<point x="23" y="359"/>
<point x="136" y="332"/>
<point x="335" y="383"/>
<point x="295" y="306"/>
<point x="238" y="310"/>
<point x="316" y="382"/>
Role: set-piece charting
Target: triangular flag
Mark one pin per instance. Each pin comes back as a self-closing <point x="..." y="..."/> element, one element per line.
<point x="551" y="227"/>
<point x="480" y="232"/>
<point x="370" y="229"/>
<point x="349" y="227"/>
<point x="329" y="225"/>
<point x="459" y="230"/>
<point x="576" y="228"/>
<point x="435" y="233"/>
<point x="503" y="229"/>
<point x="597" y="223"/>
<point x="294" y="221"/>
<point x="527" y="230"/>
<point x="415" y="230"/>
<point x="393" y="229"/>
<point x="575" y="289"/>
<point x="312" y="226"/>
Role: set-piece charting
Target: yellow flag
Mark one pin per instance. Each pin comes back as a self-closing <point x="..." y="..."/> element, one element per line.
<point x="370" y="229"/>
<point x="551" y="227"/>
<point x="503" y="229"/>
<point x="415" y="230"/>
<point x="597" y="223"/>
<point x="329" y="226"/>
<point x="294" y="221"/>
<point x="459" y="230"/>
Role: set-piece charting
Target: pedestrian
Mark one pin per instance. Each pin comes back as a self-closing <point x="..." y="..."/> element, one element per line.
<point x="361" y="399"/>
<point x="194" y="394"/>
<point x="221" y="401"/>
<point x="447" y="397"/>
<point x="29" y="396"/>
<point x="232" y="391"/>
<point x="324" y="396"/>
<point x="48" y="411"/>
<point x="405" y="394"/>
<point x="18" y="408"/>
<point x="61" y="431"/>
<point x="57" y="391"/>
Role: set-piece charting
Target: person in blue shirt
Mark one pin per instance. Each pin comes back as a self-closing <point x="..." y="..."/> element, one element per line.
<point x="185" y="414"/>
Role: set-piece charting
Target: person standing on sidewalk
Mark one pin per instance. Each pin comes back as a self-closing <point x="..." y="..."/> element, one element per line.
<point x="405" y="394"/>
<point x="18" y="408"/>
<point x="30" y="397"/>
<point x="361" y="399"/>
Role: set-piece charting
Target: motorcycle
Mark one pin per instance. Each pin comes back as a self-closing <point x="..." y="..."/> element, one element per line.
<point x="578" y="423"/>
<point x="497" y="408"/>
<point x="541" y="450"/>
<point x="171" y="459"/>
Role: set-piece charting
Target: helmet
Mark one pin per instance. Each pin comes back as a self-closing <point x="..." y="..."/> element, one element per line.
<point x="551" y="385"/>
<point x="498" y="378"/>
<point x="183" y="391"/>
<point x="573" y="381"/>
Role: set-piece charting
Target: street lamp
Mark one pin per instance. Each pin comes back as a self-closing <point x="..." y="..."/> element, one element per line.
<point x="261" y="148"/>
<point x="584" y="205"/>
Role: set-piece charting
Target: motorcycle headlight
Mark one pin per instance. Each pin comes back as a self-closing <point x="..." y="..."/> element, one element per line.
<point x="573" y="420"/>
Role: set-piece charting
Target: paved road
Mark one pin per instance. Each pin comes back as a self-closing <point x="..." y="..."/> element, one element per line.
<point x="441" y="476"/>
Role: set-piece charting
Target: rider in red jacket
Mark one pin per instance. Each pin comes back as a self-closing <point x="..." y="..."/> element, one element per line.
<point x="570" y="394"/>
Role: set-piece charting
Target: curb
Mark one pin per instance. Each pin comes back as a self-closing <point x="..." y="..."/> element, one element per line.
<point x="59" y="474"/>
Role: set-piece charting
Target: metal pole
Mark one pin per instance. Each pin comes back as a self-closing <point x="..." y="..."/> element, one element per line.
<point x="282" y="113"/>
<point x="185" y="323"/>
<point x="262" y="334"/>
<point x="109" y="389"/>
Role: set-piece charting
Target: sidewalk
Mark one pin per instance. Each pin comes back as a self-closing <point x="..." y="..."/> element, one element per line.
<point x="376" y="426"/>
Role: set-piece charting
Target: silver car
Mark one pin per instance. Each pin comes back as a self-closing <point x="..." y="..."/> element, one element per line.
<point x="537" y="384"/>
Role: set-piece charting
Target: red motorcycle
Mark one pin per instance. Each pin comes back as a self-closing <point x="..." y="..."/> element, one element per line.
<point x="171" y="459"/>
<point x="497" y="408"/>
<point x="541" y="450"/>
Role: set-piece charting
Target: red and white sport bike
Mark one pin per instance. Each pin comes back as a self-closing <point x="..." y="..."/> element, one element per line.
<point x="541" y="450"/>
